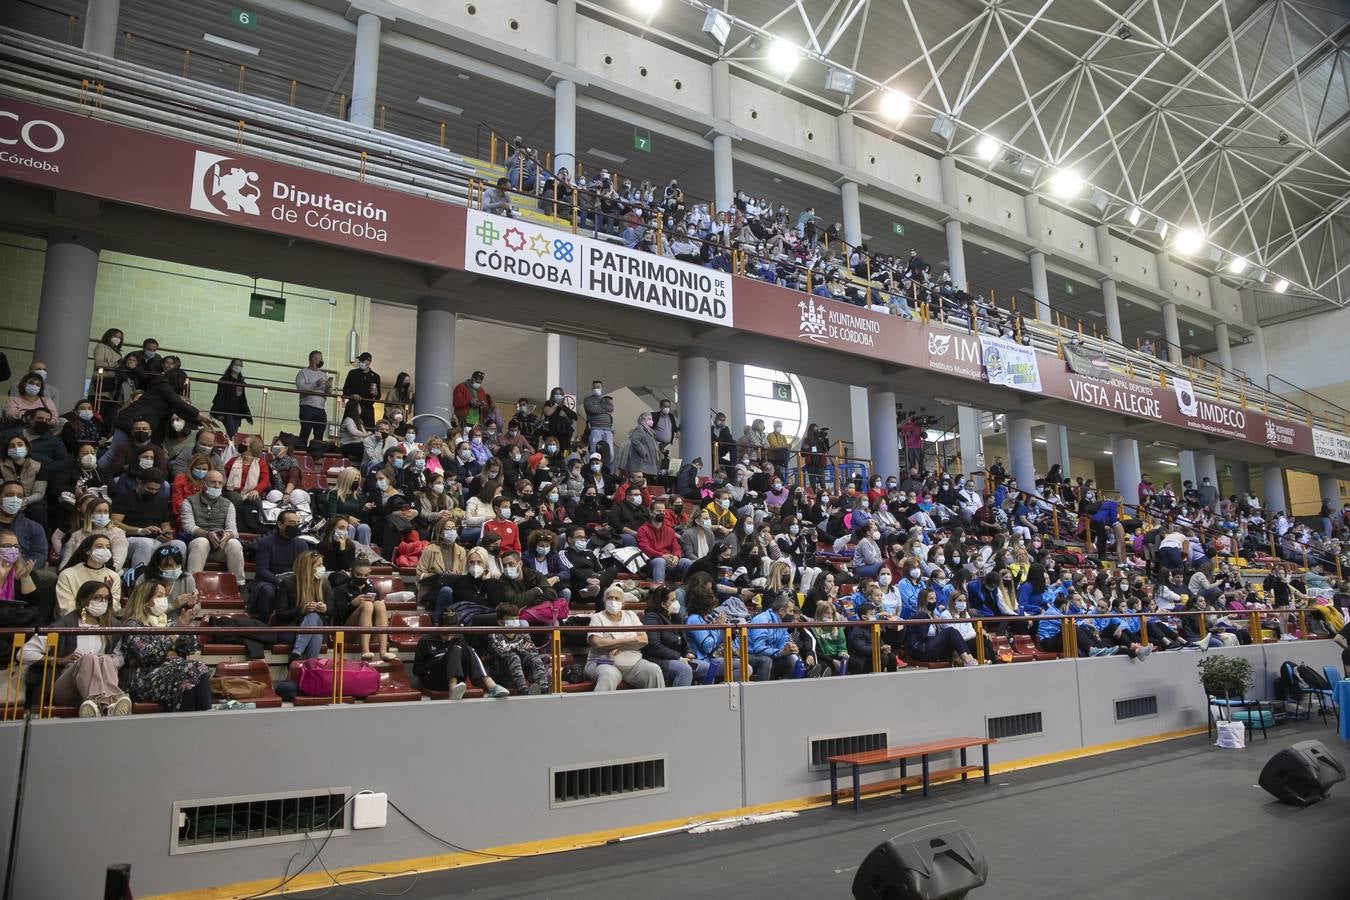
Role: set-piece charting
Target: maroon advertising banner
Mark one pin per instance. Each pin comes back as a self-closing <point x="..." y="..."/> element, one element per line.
<point x="83" y="154"/>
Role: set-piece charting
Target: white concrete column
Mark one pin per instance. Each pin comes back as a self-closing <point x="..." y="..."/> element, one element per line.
<point x="1056" y="448"/>
<point x="100" y="26"/>
<point x="66" y="312"/>
<point x="1171" y="331"/>
<point x="1242" y="477"/>
<point x="736" y="399"/>
<point x="565" y="32"/>
<point x="1329" y="486"/>
<point x="956" y="250"/>
<point x="1272" y="488"/>
<point x="1040" y="287"/>
<point x="1020" y="462"/>
<point x="724" y="180"/>
<point x="695" y="386"/>
<point x="560" y="364"/>
<point x="1206" y="466"/>
<point x="366" y="69"/>
<point x="885" y="435"/>
<point x="1111" y="307"/>
<point x="1225" y="345"/>
<point x="970" y="442"/>
<point x="434" y="372"/>
<point x="1125" y="465"/>
<point x="859" y="414"/>
<point x="848" y="198"/>
<point x="1186" y="465"/>
<point x="565" y="126"/>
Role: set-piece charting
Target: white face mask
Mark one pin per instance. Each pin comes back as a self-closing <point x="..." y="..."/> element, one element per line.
<point x="320" y="572"/>
<point x="613" y="606"/>
<point x="595" y="467"/>
<point x="672" y="607"/>
<point x="146" y="463"/>
<point x="884" y="579"/>
<point x="97" y="608"/>
<point x="100" y="520"/>
<point x="596" y="392"/>
<point x="914" y="574"/>
<point x="88" y="460"/>
<point x="85" y="415"/>
<point x="504" y="512"/>
<point x="438" y="488"/>
<point x="476" y="570"/>
<point x="100" y="555"/>
<point x="160" y="605"/>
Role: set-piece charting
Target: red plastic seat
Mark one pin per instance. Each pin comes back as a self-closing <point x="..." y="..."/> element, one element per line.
<point x="394" y="687"/>
<point x="218" y="590"/>
<point x="407" y="643"/>
<point x="385" y="584"/>
<point x="255" y="670"/>
<point x="1024" y="646"/>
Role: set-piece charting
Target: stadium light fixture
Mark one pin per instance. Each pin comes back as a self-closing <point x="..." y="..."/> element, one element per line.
<point x="783" y="57"/>
<point x="1282" y="285"/>
<point x="1134" y="216"/>
<point x="1189" y="241"/>
<point x="645" y="8"/>
<point x="1237" y="265"/>
<point x="987" y="148"/>
<point x="1066" y="184"/>
<point x="895" y="105"/>
<point x="717" y="26"/>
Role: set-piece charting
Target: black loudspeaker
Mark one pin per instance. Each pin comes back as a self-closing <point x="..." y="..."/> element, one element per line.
<point x="937" y="862"/>
<point x="1302" y="773"/>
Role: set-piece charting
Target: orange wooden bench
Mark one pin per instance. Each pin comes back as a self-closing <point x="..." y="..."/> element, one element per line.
<point x="901" y="755"/>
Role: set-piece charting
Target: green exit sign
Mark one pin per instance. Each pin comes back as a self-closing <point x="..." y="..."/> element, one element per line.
<point x="642" y="142"/>
<point x="243" y="18"/>
<point x="898" y="228"/>
<point x="265" y="306"/>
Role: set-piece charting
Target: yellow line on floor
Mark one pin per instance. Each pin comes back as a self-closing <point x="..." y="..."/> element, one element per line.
<point x="441" y="862"/>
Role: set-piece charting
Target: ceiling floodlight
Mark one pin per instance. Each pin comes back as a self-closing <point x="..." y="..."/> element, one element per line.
<point x="1134" y="216"/>
<point x="943" y="127"/>
<point x="1282" y="285"/>
<point x="1099" y="200"/>
<point x="987" y="148"/>
<point x="717" y="26"/>
<point x="840" y="81"/>
<point x="783" y="57"/>
<point x="895" y="105"/>
<point x="1189" y="241"/>
<point x="1237" y="265"/>
<point x="1066" y="183"/>
<point x="1161" y="228"/>
<point x="645" y="7"/>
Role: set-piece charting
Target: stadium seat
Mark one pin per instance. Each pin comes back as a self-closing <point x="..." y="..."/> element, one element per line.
<point x="407" y="643"/>
<point x="394" y="686"/>
<point x="254" y="670"/>
<point x="218" y="590"/>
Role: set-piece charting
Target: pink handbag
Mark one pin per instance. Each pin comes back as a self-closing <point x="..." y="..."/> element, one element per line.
<point x="316" y="678"/>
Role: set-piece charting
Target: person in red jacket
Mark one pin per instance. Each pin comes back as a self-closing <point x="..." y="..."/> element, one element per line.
<point x="659" y="541"/>
<point x="503" y="526"/>
<point x="471" y="401"/>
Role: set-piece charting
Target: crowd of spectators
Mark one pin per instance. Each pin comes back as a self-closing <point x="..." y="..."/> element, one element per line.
<point x="530" y="513"/>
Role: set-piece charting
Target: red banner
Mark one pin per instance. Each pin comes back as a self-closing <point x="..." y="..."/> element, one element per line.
<point x="80" y="153"/>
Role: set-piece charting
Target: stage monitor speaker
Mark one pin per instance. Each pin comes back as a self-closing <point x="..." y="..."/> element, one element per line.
<point x="937" y="862"/>
<point x="1302" y="773"/>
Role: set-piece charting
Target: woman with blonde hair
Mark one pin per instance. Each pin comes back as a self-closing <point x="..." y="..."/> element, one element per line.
<point x="304" y="598"/>
<point x="96" y="518"/>
<point x="157" y="667"/>
<point x="246" y="478"/>
<point x="831" y="646"/>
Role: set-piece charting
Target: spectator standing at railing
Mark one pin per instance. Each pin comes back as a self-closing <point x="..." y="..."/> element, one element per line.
<point x="497" y="199"/>
<point x="314" y="384"/>
<point x="361" y="383"/>
<point x="230" y="404"/>
<point x="599" y="410"/>
<point x="471" y="401"/>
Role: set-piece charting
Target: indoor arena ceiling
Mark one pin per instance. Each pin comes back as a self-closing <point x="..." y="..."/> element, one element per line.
<point x="1226" y="117"/>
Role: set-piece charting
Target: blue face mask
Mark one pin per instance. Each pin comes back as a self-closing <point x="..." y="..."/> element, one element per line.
<point x="398" y="462"/>
<point x="199" y="474"/>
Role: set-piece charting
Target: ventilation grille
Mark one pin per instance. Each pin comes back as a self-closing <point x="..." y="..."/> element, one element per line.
<point x="257" y="819"/>
<point x="1018" y="725"/>
<point x="823" y="748"/>
<point x="1136" y="707"/>
<point x="608" y="781"/>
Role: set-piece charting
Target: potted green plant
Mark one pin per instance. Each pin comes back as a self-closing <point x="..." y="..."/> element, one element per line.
<point x="1225" y="675"/>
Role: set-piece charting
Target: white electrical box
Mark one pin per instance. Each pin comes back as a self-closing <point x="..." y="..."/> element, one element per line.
<point x="370" y="811"/>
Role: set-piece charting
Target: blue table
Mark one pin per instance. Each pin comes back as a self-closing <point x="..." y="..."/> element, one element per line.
<point x="1343" y="704"/>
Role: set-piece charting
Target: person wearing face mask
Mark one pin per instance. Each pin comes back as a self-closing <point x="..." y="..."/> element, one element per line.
<point x="503" y="524"/>
<point x="435" y="501"/>
<point x="471" y="401"/>
<point x="512" y="655"/>
<point x="626" y="517"/>
<point x="91" y="561"/>
<point x="547" y="562"/>
<point x="145" y="421"/>
<point x="230" y="404"/>
<point x="599" y="411"/>
<point x="777" y="644"/>
<point x="93" y="516"/>
<point x="670" y="650"/>
<point x="642" y="452"/>
<point x="597" y="476"/>
<point x="274" y="555"/>
<point x="866" y="552"/>
<point x="361" y="383"/>
<point x="81" y="426"/>
<point x="777" y="495"/>
<point x="658" y="540"/>
<point x="559" y="419"/>
<point x="29" y="393"/>
<point x="305" y="597"/>
<point x="723" y="520"/>
<point x="665" y="428"/>
<point x="45" y="444"/>
<point x="18" y="465"/>
<point x="910" y="586"/>
<point x="587" y="578"/>
<point x="187" y="483"/>
<point x="166" y="567"/>
<point x="208" y="524"/>
<point x="521" y="585"/>
<point x="87" y="664"/>
<point x="159" y="668"/>
<point x="616" y="656"/>
<point x="957" y="606"/>
<point x="687" y="480"/>
<point x="517" y="439"/>
<point x="144" y="515"/>
<point x="926" y="642"/>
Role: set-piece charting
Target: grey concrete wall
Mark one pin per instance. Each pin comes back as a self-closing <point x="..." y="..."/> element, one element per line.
<point x="11" y="755"/>
<point x="477" y="773"/>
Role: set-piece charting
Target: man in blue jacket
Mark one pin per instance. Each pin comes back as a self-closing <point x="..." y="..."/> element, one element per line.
<point x="776" y="643"/>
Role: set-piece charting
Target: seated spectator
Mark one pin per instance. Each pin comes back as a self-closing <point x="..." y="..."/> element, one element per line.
<point x="831" y="642"/>
<point x="274" y="556"/>
<point x="934" y="642"/>
<point x="304" y="597"/>
<point x="29" y="392"/>
<point x="446" y="662"/>
<point x="616" y="656"/>
<point x="658" y="540"/>
<point x="91" y="561"/>
<point x="19" y="467"/>
<point x="356" y="602"/>
<point x="186" y="484"/>
<point x="209" y="526"/>
<point x="670" y="649"/>
<point x="158" y="668"/>
<point x="144" y="515"/>
<point x="859" y="641"/>
<point x="16" y="580"/>
<point x="87" y="665"/>
<point x="514" y="655"/>
<point x="785" y="658"/>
